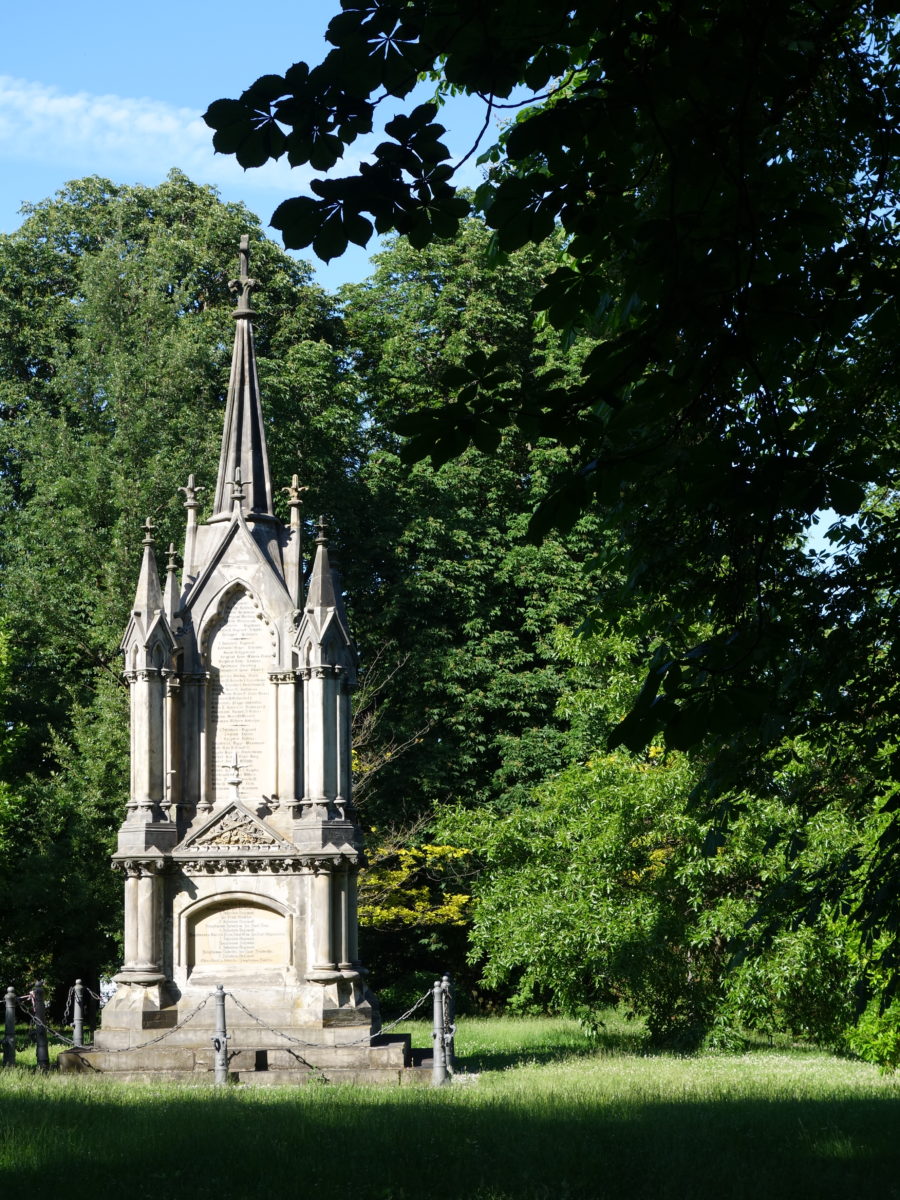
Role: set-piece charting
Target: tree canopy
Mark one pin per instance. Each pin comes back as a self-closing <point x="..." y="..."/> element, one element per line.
<point x="500" y="825"/>
<point x="720" y="182"/>
<point x="117" y="316"/>
<point x="116" y="341"/>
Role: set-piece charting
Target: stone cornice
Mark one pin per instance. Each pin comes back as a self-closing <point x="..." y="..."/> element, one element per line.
<point x="301" y="864"/>
<point x="321" y="671"/>
<point x="143" y="674"/>
<point x="135" y="868"/>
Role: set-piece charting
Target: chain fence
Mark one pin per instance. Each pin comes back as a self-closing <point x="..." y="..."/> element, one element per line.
<point x="167" y="1034"/>
<point x="444" y="1028"/>
<point x="38" y="1023"/>
<point x="363" y="1041"/>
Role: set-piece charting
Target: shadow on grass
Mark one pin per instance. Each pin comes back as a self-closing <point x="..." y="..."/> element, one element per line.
<point x="550" y="1046"/>
<point x="558" y="1050"/>
<point x="403" y="1144"/>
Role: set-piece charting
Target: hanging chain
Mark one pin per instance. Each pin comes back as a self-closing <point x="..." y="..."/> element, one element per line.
<point x="363" y="1041"/>
<point x="38" y="1023"/>
<point x="409" y="1012"/>
<point x="67" y="1011"/>
<point x="162" y="1037"/>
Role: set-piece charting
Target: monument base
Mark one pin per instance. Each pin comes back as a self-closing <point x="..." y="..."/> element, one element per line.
<point x="386" y="1060"/>
<point x="287" y="1034"/>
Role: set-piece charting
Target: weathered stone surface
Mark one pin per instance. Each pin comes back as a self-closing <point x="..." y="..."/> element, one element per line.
<point x="265" y="1066"/>
<point x="240" y="846"/>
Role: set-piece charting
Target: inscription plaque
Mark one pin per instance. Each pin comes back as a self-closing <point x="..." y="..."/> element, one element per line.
<point x="238" y="934"/>
<point x="240" y="653"/>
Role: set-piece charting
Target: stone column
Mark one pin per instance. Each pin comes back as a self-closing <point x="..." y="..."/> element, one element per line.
<point x="329" y="733"/>
<point x="285" y="730"/>
<point x="315" y="712"/>
<point x="323" y="967"/>
<point x="147" y="952"/>
<point x="132" y="872"/>
<point x="341" y="912"/>
<point x="353" y="917"/>
<point x="206" y="781"/>
<point x="148" y="737"/>
<point x="299" y="738"/>
<point x="192" y="714"/>
<point x="270" y="784"/>
<point x="131" y="803"/>
<point x="173" y="747"/>
<point x="142" y="902"/>
<point x="341" y="742"/>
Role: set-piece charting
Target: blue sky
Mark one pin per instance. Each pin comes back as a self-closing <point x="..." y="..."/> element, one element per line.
<point x="117" y="89"/>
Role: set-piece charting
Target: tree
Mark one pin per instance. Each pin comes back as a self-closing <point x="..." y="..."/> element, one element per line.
<point x="606" y="885"/>
<point x="729" y="241"/>
<point x="453" y="607"/>
<point x="438" y="561"/>
<point x="117" y="315"/>
<point x="116" y="334"/>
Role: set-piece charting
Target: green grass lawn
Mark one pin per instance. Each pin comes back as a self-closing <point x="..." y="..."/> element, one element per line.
<point x="549" y="1115"/>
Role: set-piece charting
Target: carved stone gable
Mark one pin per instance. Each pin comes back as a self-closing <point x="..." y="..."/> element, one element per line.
<point x="235" y="830"/>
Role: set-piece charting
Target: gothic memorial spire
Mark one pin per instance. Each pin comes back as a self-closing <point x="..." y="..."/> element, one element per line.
<point x="244" y="456"/>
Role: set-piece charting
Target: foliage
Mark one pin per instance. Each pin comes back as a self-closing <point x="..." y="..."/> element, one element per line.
<point x="453" y="608"/>
<point x="114" y="357"/>
<point x="439" y="573"/>
<point x="606" y="885"/>
<point x="729" y="241"/>
<point x="876" y="1035"/>
<point x="397" y="887"/>
<point x="725" y="221"/>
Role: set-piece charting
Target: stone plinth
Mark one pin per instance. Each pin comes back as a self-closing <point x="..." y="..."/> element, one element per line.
<point x="387" y="1060"/>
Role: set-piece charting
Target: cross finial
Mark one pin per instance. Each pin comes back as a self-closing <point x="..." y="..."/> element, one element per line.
<point x="237" y="487"/>
<point x="295" y="491"/>
<point x="148" y="528"/>
<point x="171" y="558"/>
<point x="244" y="284"/>
<point x="321" y="526"/>
<point x="190" y="493"/>
<point x="234" y="780"/>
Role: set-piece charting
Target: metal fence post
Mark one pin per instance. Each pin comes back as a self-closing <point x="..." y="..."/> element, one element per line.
<point x="92" y="1010"/>
<point x="9" y="1035"/>
<point x="449" y="1021"/>
<point x="78" y="1015"/>
<point x="220" y="1039"/>
<point x="42" y="1054"/>
<point x="439" y="1062"/>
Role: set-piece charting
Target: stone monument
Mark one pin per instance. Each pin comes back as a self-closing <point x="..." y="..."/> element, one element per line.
<point x="240" y="846"/>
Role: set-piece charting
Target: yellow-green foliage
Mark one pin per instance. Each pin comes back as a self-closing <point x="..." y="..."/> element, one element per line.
<point x="408" y="886"/>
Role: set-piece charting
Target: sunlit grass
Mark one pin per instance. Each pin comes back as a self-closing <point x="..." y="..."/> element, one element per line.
<point x="549" y="1115"/>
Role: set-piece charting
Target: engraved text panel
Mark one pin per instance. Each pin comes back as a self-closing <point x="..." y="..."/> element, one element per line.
<point x="240" y="656"/>
<point x="238" y="934"/>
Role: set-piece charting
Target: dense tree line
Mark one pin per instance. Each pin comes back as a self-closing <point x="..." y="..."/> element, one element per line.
<point x="507" y="838"/>
<point x="729" y="239"/>
<point x="117" y="336"/>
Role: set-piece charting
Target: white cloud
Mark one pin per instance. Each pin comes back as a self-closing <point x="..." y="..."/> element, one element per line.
<point x="120" y="135"/>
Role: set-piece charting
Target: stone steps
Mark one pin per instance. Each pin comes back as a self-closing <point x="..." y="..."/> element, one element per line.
<point x="387" y="1060"/>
